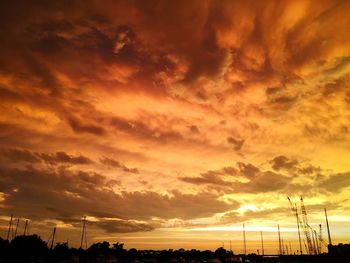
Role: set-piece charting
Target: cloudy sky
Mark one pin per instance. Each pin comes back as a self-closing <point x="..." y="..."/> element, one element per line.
<point x="171" y="123"/>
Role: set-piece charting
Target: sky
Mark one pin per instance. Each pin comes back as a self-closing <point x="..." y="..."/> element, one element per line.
<point x="169" y="124"/>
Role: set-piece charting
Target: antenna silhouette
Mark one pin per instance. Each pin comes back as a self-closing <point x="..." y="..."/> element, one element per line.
<point x="317" y="243"/>
<point x="10" y="228"/>
<point x="25" y="228"/>
<point x="329" y="233"/>
<point x="16" y="227"/>
<point x="313" y="241"/>
<point x="279" y="240"/>
<point x="52" y="238"/>
<point x="83" y="234"/>
<point x="320" y="237"/>
<point x="244" y="242"/>
<point x="290" y="248"/>
<point x="262" y="242"/>
<point x="307" y="228"/>
<point x="295" y="211"/>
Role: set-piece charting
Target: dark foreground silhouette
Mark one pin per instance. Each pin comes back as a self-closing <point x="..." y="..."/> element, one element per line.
<point x="31" y="248"/>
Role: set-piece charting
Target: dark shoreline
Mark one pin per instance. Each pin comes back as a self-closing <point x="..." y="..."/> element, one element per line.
<point x="32" y="249"/>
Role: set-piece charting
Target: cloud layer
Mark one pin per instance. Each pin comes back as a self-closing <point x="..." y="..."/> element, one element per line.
<point x="145" y="115"/>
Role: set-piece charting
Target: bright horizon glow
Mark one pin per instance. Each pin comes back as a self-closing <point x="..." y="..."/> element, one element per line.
<point x="247" y="229"/>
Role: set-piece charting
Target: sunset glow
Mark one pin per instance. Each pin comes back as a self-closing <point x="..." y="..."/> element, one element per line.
<point x="171" y="124"/>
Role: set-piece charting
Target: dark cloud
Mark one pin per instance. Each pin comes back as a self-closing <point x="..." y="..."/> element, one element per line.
<point x="90" y="39"/>
<point x="194" y="129"/>
<point x="266" y="182"/>
<point x="229" y="171"/>
<point x="236" y="217"/>
<point x="80" y="127"/>
<point x="122" y="124"/>
<point x="48" y="79"/>
<point x="340" y="63"/>
<point x="335" y="183"/>
<point x="283" y="102"/>
<point x="279" y="98"/>
<point x="282" y="162"/>
<point x="141" y="130"/>
<point x="9" y="95"/>
<point x="20" y="155"/>
<point x="207" y="178"/>
<point x="177" y="205"/>
<point x="122" y="226"/>
<point x="113" y="163"/>
<point x="273" y="90"/>
<point x="204" y="37"/>
<point x="213" y="177"/>
<point x="309" y="169"/>
<point x="201" y="96"/>
<point x="259" y="181"/>
<point x="237" y="144"/>
<point x="23" y="155"/>
<point x="40" y="194"/>
<point x="294" y="166"/>
<point x="62" y="157"/>
<point x="334" y="87"/>
<point x="248" y="170"/>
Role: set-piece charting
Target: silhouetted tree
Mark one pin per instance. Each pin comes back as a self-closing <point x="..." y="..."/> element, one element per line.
<point x="3" y="244"/>
<point x="118" y="246"/>
<point x="221" y="253"/>
<point x="118" y="250"/>
<point x="27" y="248"/>
<point x="133" y="254"/>
<point x="61" y="251"/>
<point x="101" y="248"/>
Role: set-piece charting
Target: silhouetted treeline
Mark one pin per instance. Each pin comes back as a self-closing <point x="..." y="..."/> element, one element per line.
<point x="32" y="249"/>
